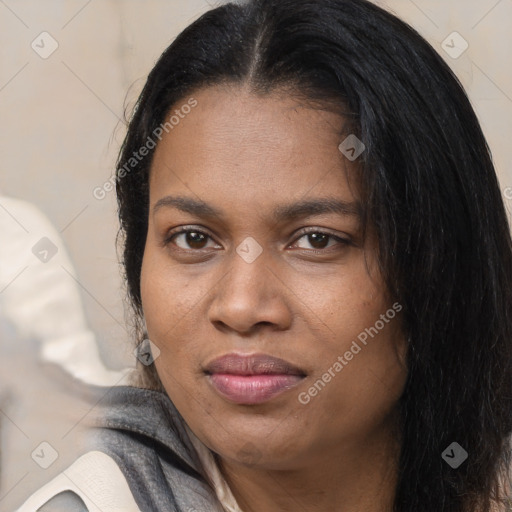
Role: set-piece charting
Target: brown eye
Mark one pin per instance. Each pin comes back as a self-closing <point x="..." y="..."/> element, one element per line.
<point x="318" y="240"/>
<point x="190" y="239"/>
<point x="195" y="240"/>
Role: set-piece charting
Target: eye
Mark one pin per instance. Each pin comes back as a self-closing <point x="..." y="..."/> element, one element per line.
<point x="319" y="241"/>
<point x="190" y="239"/>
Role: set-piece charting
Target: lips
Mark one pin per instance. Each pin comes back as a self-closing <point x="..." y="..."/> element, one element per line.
<point x="258" y="364"/>
<point x="252" y="379"/>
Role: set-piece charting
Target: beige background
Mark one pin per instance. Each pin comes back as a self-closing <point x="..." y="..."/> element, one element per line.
<point x="61" y="117"/>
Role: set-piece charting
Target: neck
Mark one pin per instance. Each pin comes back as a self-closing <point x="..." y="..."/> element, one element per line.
<point x="356" y="477"/>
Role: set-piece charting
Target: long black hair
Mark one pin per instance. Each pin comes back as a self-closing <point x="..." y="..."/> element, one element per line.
<point x="430" y="193"/>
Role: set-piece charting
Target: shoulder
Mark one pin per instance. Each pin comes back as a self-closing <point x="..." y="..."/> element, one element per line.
<point x="139" y="457"/>
<point x="93" y="483"/>
<point x="146" y="436"/>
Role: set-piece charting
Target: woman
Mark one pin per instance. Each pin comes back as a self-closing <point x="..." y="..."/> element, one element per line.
<point x="320" y="266"/>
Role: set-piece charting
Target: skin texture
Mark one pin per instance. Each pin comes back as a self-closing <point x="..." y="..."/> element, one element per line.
<point x="304" y="300"/>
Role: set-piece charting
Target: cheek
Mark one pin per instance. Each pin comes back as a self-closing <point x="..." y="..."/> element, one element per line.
<point x="351" y="396"/>
<point x="171" y="301"/>
<point x="167" y="295"/>
<point x="348" y="300"/>
<point x="162" y="307"/>
<point x="365" y="330"/>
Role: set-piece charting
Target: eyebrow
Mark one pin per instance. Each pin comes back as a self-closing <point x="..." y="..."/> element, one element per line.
<point x="281" y="213"/>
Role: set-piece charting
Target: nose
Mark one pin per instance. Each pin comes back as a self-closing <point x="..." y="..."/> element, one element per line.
<point x="250" y="295"/>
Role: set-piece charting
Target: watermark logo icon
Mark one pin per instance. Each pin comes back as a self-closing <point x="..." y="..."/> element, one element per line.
<point x="454" y="455"/>
<point x="147" y="352"/>
<point x="249" y="249"/>
<point x="352" y="147"/>
<point x="44" y="455"/>
<point x="44" y="250"/>
<point x="454" y="45"/>
<point x="44" y="45"/>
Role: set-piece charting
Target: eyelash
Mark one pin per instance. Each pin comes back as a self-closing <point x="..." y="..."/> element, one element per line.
<point x="189" y="229"/>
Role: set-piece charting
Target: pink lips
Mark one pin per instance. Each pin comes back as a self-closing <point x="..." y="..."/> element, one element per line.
<point x="252" y="379"/>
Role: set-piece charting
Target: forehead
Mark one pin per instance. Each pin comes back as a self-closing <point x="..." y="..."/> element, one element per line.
<point x="255" y="147"/>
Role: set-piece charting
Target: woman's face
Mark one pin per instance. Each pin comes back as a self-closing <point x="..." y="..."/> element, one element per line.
<point x="273" y="266"/>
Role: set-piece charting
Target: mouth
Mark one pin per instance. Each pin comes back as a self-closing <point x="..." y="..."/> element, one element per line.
<point x="252" y="379"/>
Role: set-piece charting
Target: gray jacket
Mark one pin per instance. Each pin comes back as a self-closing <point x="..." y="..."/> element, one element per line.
<point x="140" y="435"/>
